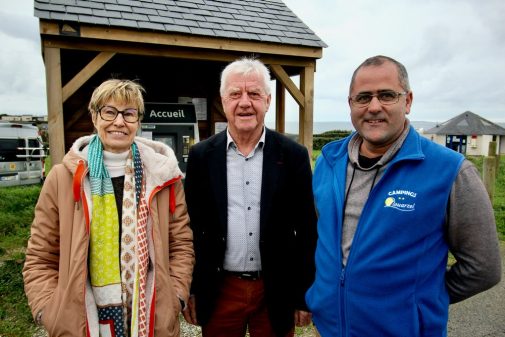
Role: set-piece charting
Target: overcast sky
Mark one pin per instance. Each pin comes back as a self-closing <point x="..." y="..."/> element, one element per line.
<point x="454" y="52"/>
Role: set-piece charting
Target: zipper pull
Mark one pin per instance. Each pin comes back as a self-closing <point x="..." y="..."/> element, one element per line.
<point x="342" y="277"/>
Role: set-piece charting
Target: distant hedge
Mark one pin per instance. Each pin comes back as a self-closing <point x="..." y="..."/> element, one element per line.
<point x="321" y="139"/>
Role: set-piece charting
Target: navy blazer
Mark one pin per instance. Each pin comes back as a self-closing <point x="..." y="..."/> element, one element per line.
<point x="288" y="232"/>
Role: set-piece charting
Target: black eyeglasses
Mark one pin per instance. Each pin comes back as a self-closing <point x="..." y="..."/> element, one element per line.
<point x="387" y="97"/>
<point x="109" y="113"/>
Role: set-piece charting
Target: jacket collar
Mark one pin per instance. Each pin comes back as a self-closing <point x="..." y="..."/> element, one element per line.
<point x="408" y="147"/>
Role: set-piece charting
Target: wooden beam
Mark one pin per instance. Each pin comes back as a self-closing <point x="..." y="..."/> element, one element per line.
<point x="76" y="116"/>
<point x="55" y="127"/>
<point x="85" y="74"/>
<point x="282" y="76"/>
<point x="216" y="102"/>
<point x="168" y="51"/>
<point x="280" y="104"/>
<point x="306" y="116"/>
<point x="184" y="40"/>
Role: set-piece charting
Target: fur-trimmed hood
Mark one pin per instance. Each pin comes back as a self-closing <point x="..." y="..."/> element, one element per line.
<point x="159" y="161"/>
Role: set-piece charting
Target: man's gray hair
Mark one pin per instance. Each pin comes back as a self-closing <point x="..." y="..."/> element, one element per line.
<point x="246" y="66"/>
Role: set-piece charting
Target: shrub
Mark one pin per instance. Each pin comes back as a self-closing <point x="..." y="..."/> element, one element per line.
<point x="321" y="139"/>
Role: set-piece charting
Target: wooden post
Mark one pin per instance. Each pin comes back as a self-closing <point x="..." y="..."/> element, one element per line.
<point x="491" y="152"/>
<point x="306" y="116"/>
<point x="280" y="104"/>
<point x="489" y="175"/>
<point x="55" y="126"/>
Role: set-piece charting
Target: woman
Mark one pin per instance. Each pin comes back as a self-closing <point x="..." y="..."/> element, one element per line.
<point x="116" y="258"/>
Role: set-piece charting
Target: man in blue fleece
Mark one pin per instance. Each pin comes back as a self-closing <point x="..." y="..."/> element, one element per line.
<point x="391" y="205"/>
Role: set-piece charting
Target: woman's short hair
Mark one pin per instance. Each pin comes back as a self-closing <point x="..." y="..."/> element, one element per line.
<point x="124" y="91"/>
<point x="246" y="66"/>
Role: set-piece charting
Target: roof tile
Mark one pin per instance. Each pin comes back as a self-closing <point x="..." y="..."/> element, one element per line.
<point x="217" y="20"/>
<point x="186" y="23"/>
<point x="119" y="8"/>
<point x="63" y="2"/>
<point x="269" y="38"/>
<point x="170" y="14"/>
<point x="154" y="6"/>
<point x="229" y="10"/>
<point x="209" y="25"/>
<point x="64" y="17"/>
<point x="177" y="28"/>
<point x="151" y="25"/>
<point x="147" y="11"/>
<point x="248" y="36"/>
<point x="129" y="2"/>
<point x="50" y="7"/>
<point x="233" y="28"/>
<point x="186" y="4"/>
<point x="201" y="31"/>
<point x="123" y="23"/>
<point x="165" y="2"/>
<point x="193" y="17"/>
<point x="42" y="14"/>
<point x="90" y="4"/>
<point x="258" y="25"/>
<point x="161" y="19"/>
<point x="135" y="16"/>
<point x="107" y="14"/>
<point x="93" y="20"/>
<point x="79" y="10"/>
<point x="254" y="30"/>
<point x="223" y="15"/>
<point x="225" y="33"/>
<point x="201" y="12"/>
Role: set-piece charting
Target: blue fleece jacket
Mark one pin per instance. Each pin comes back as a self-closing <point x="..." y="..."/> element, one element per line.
<point x="393" y="283"/>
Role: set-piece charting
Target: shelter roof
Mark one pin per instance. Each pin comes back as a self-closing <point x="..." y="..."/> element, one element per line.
<point x="467" y="123"/>
<point x="255" y="20"/>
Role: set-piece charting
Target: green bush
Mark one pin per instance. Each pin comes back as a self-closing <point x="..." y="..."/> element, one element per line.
<point x="321" y="139"/>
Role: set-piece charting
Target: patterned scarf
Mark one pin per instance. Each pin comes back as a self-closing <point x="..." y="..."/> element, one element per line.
<point x="118" y="273"/>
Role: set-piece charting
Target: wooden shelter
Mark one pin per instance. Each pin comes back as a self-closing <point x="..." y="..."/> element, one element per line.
<point x="174" y="49"/>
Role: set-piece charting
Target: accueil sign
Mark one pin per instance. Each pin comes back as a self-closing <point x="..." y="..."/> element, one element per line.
<point x="169" y="113"/>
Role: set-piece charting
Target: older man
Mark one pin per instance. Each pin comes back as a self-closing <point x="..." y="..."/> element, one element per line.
<point x="251" y="206"/>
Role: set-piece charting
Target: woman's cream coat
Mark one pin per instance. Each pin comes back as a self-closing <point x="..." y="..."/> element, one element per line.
<point x="56" y="267"/>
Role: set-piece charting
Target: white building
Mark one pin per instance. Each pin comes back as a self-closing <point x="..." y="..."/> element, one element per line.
<point x="468" y="134"/>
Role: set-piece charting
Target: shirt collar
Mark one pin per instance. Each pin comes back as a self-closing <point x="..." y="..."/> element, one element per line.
<point x="230" y="141"/>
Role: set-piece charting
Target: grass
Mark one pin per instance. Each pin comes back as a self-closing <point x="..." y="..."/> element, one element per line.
<point x="16" y="209"/>
<point x="499" y="193"/>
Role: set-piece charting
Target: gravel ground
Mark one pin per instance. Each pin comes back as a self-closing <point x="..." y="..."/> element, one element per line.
<point x="188" y="330"/>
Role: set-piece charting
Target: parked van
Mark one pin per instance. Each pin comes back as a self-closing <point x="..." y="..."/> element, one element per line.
<point x="21" y="154"/>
